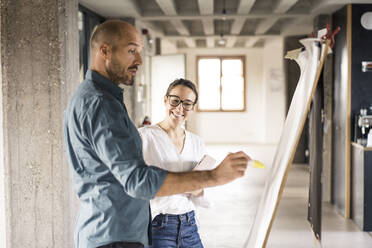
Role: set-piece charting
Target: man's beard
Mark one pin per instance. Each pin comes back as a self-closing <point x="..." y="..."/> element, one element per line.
<point x="117" y="74"/>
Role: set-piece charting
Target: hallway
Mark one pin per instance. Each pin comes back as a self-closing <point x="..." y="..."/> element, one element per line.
<point x="227" y="223"/>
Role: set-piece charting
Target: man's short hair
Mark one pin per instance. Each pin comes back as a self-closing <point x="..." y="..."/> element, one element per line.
<point x="108" y="32"/>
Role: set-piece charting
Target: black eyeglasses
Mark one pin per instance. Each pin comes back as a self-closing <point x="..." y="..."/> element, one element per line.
<point x="174" y="101"/>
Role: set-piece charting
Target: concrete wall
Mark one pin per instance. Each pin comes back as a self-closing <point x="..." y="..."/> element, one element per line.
<point x="3" y="232"/>
<point x="263" y="119"/>
<point x="39" y="70"/>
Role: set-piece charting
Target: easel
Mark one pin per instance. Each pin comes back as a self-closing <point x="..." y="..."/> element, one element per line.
<point x="261" y="228"/>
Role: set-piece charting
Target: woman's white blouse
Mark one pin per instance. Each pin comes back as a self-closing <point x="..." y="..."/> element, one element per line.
<point x="159" y="150"/>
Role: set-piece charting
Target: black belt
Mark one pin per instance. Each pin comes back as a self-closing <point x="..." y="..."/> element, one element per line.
<point x="123" y="245"/>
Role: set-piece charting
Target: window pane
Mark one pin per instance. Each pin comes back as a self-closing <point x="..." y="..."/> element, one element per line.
<point x="221" y="88"/>
<point x="232" y="84"/>
<point x="232" y="92"/>
<point x="232" y="67"/>
<point x="209" y="84"/>
<point x="208" y="67"/>
<point x="81" y="45"/>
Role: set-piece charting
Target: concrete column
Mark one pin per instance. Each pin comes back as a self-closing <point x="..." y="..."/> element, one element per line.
<point x="39" y="70"/>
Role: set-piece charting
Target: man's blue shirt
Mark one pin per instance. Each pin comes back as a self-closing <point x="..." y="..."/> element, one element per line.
<point x="113" y="182"/>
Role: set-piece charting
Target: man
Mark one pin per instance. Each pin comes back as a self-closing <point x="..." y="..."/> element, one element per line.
<point x="105" y="151"/>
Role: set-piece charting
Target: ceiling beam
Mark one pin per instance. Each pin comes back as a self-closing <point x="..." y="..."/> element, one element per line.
<point x="178" y="37"/>
<point x="252" y="41"/>
<point x="118" y="9"/>
<point x="134" y="8"/>
<point x="190" y="42"/>
<point x="300" y="26"/>
<point x="303" y="25"/>
<point x="206" y="7"/>
<point x="330" y="6"/>
<point x="237" y="25"/>
<point x="265" y="25"/>
<point x="208" y="26"/>
<point x="245" y="6"/>
<point x="154" y="30"/>
<point x="210" y="42"/>
<point x="230" y="42"/>
<point x="169" y="9"/>
<point x="282" y="7"/>
<point x="180" y="27"/>
<point x="167" y="6"/>
<point x="218" y="16"/>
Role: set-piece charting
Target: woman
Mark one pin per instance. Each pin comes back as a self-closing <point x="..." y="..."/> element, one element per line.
<point x="168" y="145"/>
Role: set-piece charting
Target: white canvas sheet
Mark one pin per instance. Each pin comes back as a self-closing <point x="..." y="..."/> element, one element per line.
<point x="309" y="64"/>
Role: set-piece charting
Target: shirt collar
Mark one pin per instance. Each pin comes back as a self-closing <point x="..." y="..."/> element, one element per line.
<point x="105" y="83"/>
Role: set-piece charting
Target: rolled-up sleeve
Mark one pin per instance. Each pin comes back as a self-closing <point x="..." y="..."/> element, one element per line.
<point x="118" y="145"/>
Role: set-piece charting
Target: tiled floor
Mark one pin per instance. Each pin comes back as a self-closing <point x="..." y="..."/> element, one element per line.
<point x="227" y="223"/>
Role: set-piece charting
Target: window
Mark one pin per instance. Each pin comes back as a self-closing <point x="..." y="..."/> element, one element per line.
<point x="87" y="21"/>
<point x="82" y="45"/>
<point x="221" y="83"/>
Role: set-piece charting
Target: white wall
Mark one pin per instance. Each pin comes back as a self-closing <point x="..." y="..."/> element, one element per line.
<point x="274" y="90"/>
<point x="164" y="70"/>
<point x="168" y="47"/>
<point x="264" y="118"/>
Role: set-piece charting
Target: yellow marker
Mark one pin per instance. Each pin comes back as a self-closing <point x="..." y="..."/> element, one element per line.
<point x="256" y="164"/>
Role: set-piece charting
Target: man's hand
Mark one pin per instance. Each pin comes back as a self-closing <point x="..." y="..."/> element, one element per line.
<point x="231" y="168"/>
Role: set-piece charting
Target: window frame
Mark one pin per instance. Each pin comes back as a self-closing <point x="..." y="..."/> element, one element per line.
<point x="88" y="16"/>
<point x="221" y="58"/>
